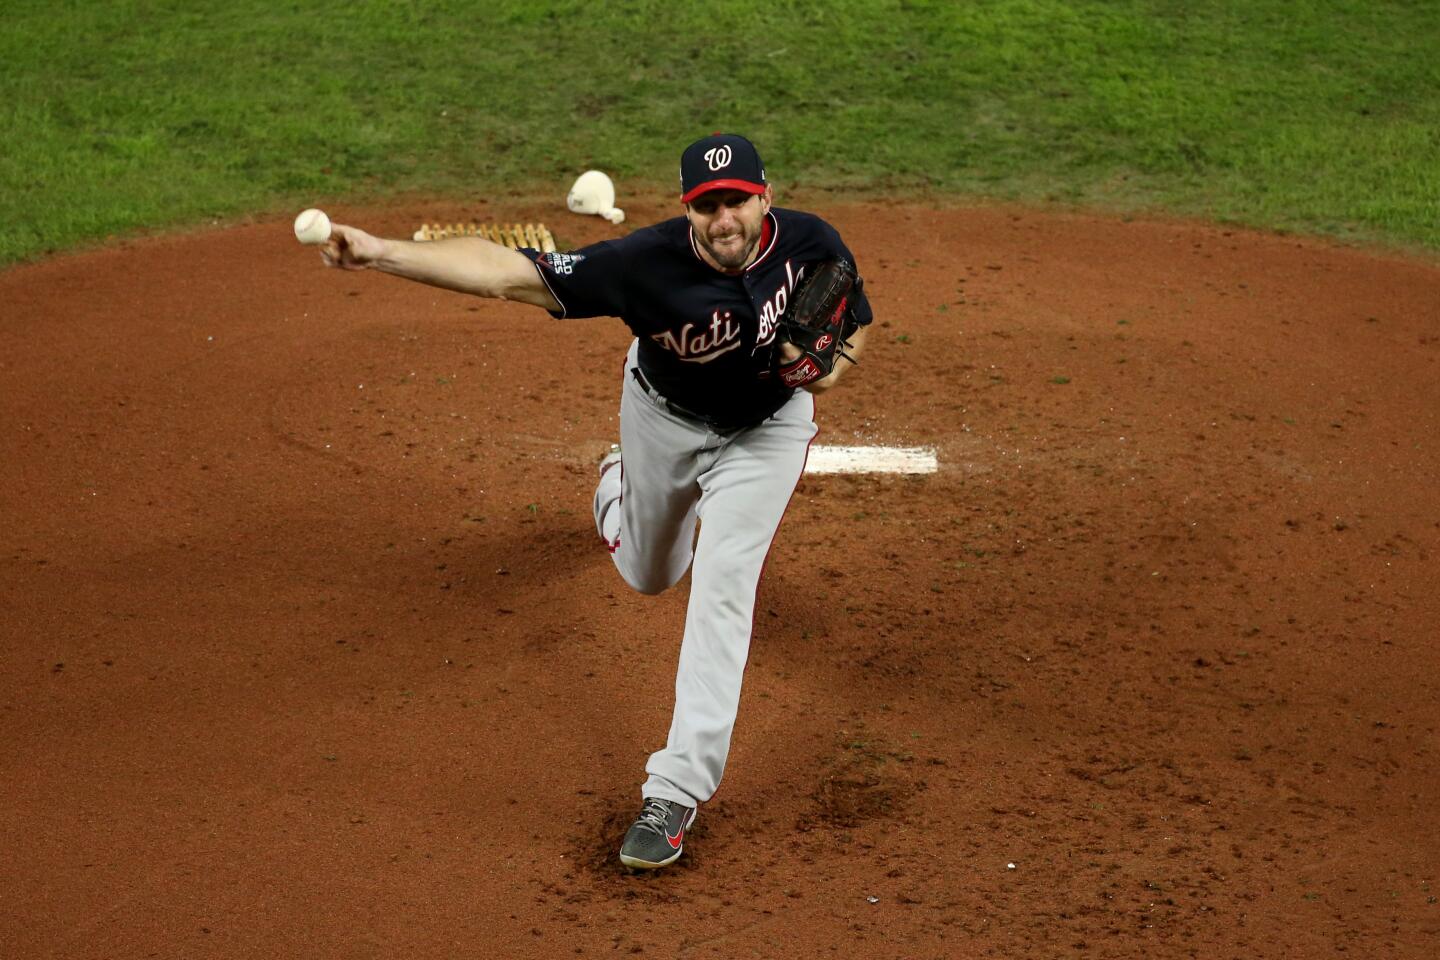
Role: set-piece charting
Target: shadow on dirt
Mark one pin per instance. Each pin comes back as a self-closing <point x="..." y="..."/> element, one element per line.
<point x="866" y="780"/>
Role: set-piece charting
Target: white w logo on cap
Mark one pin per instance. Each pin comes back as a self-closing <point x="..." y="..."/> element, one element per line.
<point x="718" y="158"/>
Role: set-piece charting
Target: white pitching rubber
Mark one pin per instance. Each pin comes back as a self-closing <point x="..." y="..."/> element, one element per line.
<point x="872" y="460"/>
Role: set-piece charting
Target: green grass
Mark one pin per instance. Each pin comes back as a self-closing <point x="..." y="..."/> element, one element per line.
<point x="1298" y="114"/>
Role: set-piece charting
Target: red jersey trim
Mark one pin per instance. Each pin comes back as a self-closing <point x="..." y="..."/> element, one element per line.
<point x="769" y="230"/>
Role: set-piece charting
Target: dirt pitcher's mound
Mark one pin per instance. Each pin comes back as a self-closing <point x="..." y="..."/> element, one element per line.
<point x="310" y="649"/>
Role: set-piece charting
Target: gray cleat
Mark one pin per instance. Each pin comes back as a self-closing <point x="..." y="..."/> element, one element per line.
<point x="657" y="837"/>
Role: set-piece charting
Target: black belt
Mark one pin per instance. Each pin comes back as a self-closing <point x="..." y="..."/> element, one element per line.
<point x="709" y="421"/>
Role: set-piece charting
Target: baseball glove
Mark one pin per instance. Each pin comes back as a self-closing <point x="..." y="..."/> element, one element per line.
<point x="818" y="322"/>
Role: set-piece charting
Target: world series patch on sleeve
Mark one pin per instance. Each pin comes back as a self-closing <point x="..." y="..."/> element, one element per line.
<point x="818" y="322"/>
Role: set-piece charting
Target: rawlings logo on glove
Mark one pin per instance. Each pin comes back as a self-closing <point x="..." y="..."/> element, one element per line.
<point x="816" y="323"/>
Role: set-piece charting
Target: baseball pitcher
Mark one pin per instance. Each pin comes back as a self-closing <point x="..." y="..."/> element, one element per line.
<point x="742" y="312"/>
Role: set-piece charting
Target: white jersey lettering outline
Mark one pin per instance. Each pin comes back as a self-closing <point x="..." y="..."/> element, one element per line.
<point x="722" y="333"/>
<point x="720" y="336"/>
<point x="774" y="308"/>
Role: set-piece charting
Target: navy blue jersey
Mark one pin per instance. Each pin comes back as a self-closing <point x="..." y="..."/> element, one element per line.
<point x="706" y="337"/>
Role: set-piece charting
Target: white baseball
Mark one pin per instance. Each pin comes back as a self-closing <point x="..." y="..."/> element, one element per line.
<point x="312" y="226"/>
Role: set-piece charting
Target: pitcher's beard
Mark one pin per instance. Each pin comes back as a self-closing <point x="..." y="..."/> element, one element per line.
<point x="731" y="260"/>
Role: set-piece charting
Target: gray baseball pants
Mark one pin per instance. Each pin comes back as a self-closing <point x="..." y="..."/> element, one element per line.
<point x="675" y="472"/>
